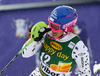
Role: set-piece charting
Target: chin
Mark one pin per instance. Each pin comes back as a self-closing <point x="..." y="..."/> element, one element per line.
<point x="54" y="36"/>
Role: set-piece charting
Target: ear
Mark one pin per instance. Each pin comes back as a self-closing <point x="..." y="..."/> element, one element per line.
<point x="14" y="20"/>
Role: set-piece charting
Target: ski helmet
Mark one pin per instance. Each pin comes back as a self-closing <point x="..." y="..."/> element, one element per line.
<point x="63" y="18"/>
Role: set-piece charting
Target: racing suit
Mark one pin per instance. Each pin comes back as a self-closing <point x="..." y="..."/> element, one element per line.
<point x="58" y="57"/>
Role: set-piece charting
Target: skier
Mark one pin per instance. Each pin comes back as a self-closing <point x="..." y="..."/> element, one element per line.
<point x="61" y="48"/>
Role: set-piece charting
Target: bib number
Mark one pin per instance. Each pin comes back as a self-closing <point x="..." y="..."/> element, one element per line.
<point x="46" y="57"/>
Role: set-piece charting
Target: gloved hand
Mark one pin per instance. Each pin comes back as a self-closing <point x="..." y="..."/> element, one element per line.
<point x="38" y="30"/>
<point x="41" y="32"/>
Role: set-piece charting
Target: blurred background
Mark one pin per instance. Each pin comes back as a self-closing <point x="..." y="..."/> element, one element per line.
<point x="18" y="16"/>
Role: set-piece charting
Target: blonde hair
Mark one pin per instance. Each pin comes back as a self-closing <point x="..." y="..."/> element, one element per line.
<point x="74" y="31"/>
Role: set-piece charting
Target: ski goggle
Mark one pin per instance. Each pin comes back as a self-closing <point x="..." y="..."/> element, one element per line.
<point x="57" y="27"/>
<point x="54" y="27"/>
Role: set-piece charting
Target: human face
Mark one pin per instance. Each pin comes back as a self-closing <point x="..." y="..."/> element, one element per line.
<point x="57" y="34"/>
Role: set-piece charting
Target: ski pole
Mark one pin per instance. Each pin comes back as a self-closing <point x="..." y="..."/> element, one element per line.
<point x="34" y="34"/>
<point x="30" y="41"/>
<point x="27" y="43"/>
<point x="12" y="60"/>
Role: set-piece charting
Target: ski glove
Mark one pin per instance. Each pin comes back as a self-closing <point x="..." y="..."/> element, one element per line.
<point x="38" y="30"/>
<point x="41" y="32"/>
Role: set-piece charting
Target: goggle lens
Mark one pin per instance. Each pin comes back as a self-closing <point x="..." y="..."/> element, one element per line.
<point x="55" y="27"/>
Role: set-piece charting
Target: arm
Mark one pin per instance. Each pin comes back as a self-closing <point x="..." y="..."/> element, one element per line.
<point x="34" y="43"/>
<point x="31" y="49"/>
<point x="81" y="56"/>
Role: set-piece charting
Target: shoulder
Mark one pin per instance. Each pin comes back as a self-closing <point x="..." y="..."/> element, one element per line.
<point x="80" y="46"/>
